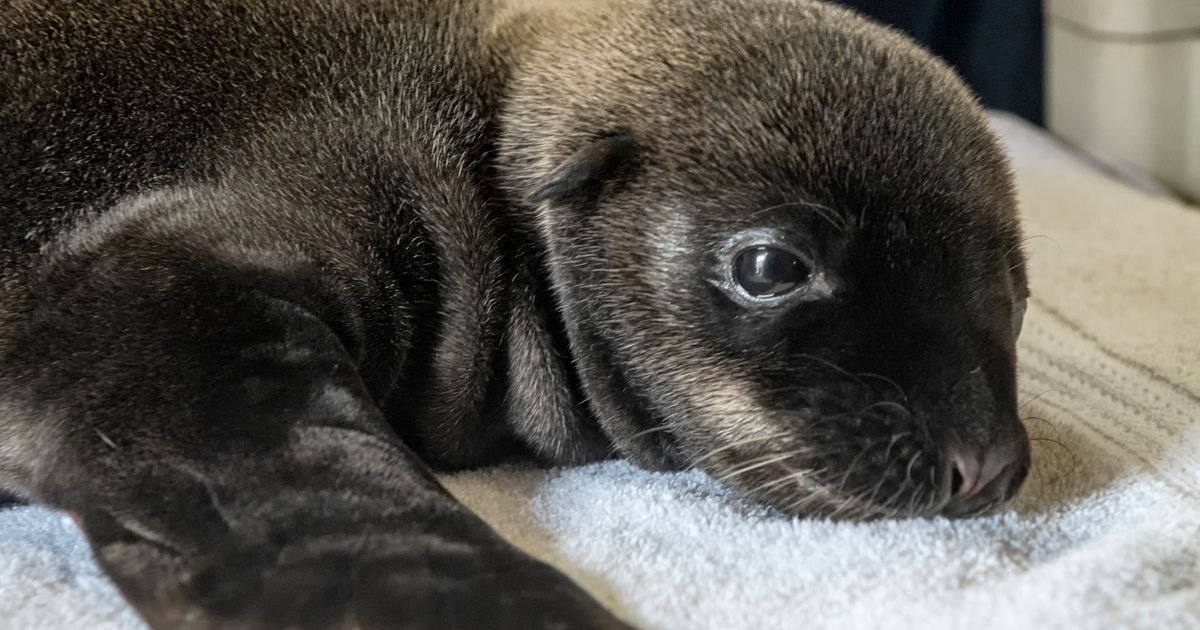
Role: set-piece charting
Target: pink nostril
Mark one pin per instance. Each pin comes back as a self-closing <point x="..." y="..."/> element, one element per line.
<point x="965" y="481"/>
<point x="980" y="480"/>
<point x="972" y="474"/>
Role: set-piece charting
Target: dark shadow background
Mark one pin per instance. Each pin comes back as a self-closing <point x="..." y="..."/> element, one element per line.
<point x="995" y="45"/>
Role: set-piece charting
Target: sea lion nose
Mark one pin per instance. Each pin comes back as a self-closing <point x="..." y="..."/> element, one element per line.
<point x="981" y="479"/>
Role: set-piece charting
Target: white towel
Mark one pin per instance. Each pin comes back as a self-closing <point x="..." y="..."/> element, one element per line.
<point x="1106" y="533"/>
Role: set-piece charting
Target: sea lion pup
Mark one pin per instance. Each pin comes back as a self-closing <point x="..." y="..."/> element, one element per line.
<point x="264" y="263"/>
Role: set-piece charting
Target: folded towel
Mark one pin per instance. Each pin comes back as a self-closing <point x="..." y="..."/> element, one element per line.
<point x="1106" y="533"/>
<point x="49" y="580"/>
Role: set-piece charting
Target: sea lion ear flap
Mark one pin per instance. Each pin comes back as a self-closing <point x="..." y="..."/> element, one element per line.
<point x="583" y="176"/>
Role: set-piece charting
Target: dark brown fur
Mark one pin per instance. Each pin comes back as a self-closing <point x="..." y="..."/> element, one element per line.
<point x="262" y="264"/>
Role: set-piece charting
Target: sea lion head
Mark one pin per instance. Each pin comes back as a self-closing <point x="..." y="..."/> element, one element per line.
<point x="785" y="248"/>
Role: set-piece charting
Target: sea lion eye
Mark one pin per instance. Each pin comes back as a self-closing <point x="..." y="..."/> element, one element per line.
<point x="768" y="271"/>
<point x="1018" y="317"/>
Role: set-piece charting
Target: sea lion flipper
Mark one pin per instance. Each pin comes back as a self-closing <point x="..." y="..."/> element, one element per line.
<point x="235" y="471"/>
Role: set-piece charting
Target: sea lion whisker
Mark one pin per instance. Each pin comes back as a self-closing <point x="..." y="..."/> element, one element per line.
<point x="1045" y="421"/>
<point x="1030" y="401"/>
<point x="790" y="477"/>
<point x="849" y="503"/>
<point x="889" y="404"/>
<point x="833" y="366"/>
<point x="895" y="438"/>
<point x="860" y="494"/>
<point x="1069" y="450"/>
<point x="658" y="429"/>
<point x="820" y="450"/>
<point x="900" y="490"/>
<point x="870" y="500"/>
<point x="830" y="215"/>
<point x="1033" y="238"/>
<point x="802" y="503"/>
<point x="763" y="462"/>
<point x="889" y="381"/>
<point x="738" y="444"/>
<point x="854" y="464"/>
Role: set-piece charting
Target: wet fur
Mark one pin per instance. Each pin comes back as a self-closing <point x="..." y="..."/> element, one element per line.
<point x="263" y="264"/>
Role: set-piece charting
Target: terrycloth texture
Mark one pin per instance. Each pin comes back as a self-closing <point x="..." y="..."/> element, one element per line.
<point x="1106" y="534"/>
